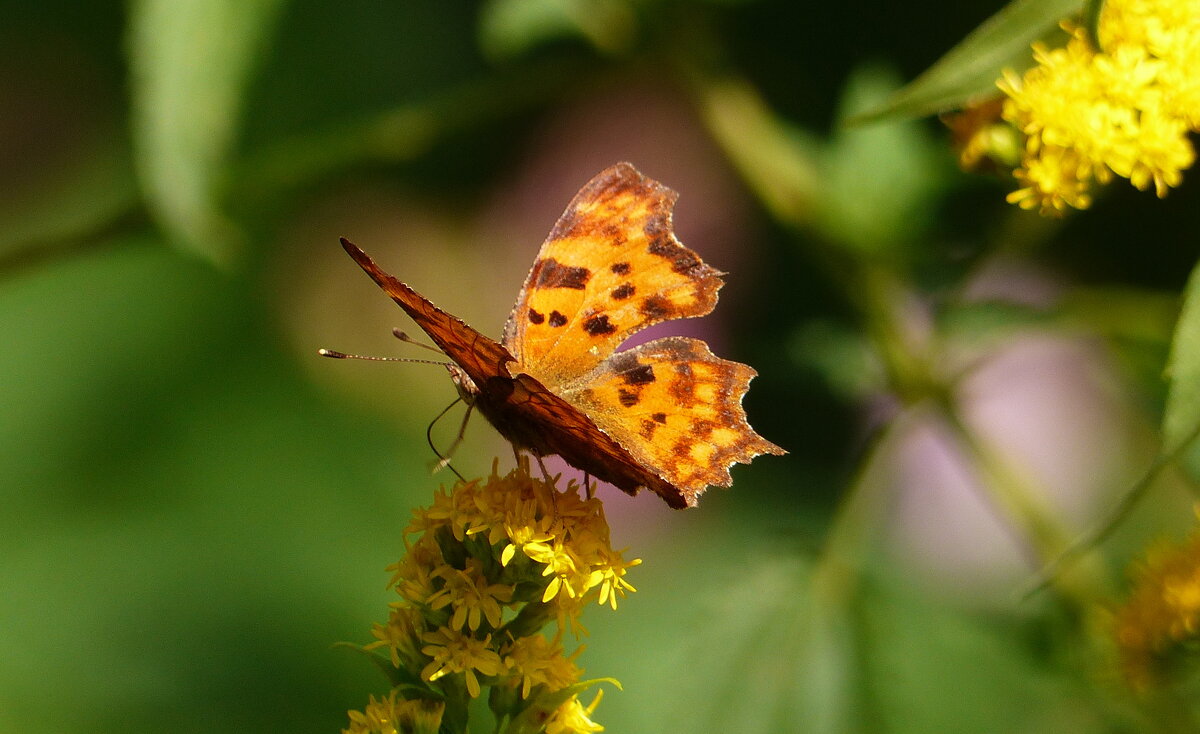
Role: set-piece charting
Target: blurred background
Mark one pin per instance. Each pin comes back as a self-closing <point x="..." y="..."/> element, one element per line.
<point x="196" y="507"/>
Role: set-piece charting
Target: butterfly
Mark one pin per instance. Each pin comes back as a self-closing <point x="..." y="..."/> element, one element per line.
<point x="665" y="415"/>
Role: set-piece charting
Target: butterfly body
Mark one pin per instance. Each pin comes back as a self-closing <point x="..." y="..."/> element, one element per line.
<point x="665" y="415"/>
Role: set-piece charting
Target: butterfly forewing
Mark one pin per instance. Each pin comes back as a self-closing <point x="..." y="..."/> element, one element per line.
<point x="610" y="267"/>
<point x="480" y="357"/>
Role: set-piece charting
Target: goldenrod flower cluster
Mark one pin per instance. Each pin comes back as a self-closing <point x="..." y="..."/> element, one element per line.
<point x="1121" y="104"/>
<point x="1159" y="624"/>
<point x="489" y="565"/>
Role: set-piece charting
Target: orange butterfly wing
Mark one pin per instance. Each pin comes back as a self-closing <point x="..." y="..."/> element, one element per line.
<point x="611" y="267"/>
<point x="676" y="408"/>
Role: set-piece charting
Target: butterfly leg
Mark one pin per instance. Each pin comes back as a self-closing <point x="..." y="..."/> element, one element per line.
<point x="588" y="490"/>
<point x="549" y="484"/>
<point x="444" y="461"/>
<point x="545" y="472"/>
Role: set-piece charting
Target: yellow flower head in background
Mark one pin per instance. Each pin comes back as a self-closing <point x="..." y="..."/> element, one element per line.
<point x="1159" y="624"/>
<point x="1122" y="109"/>
<point x="489" y="565"/>
<point x="393" y="715"/>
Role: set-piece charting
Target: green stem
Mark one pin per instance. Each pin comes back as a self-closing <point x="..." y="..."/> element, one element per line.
<point x="836" y="573"/>
<point x="1114" y="518"/>
<point x="1018" y="502"/>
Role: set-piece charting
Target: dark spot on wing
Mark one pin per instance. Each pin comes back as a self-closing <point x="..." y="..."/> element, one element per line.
<point x="553" y="274"/>
<point x="623" y="291"/>
<point x="683" y="388"/>
<point x="656" y="307"/>
<point x="648" y="428"/>
<point x="598" y="325"/>
<point x="628" y="398"/>
<point x="613" y="234"/>
<point x="624" y="362"/>
<point x="659" y="417"/>
<point x="557" y="319"/>
<point x="682" y="259"/>
<point x="619" y="268"/>
<point x="639" y="375"/>
<point x="535" y="317"/>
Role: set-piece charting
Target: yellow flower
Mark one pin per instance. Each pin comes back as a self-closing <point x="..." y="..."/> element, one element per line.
<point x="454" y="652"/>
<point x="537" y="661"/>
<point x="392" y="716"/>
<point x="412" y="576"/>
<point x="573" y="718"/>
<point x="470" y="595"/>
<point x="1161" y="618"/>
<point x="401" y="635"/>
<point x="1124" y="110"/>
<point x="560" y="565"/>
<point x="521" y="535"/>
<point x="1052" y="181"/>
<point x="493" y="562"/>
<point x="609" y="577"/>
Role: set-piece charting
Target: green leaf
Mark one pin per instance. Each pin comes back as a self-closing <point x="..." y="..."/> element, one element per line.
<point x="96" y="190"/>
<point x="777" y="160"/>
<point x="879" y="183"/>
<point x="190" y="61"/>
<point x="1181" y="418"/>
<point x="971" y="68"/>
<point x="509" y="28"/>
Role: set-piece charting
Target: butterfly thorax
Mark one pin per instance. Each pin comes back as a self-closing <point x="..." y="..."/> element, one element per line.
<point x="494" y="399"/>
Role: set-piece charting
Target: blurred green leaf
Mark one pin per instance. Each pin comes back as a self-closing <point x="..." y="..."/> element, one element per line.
<point x="840" y="355"/>
<point x="971" y="68"/>
<point x="983" y="321"/>
<point x="777" y="160"/>
<point x="183" y="511"/>
<point x="93" y="193"/>
<point x="403" y="133"/>
<point x="190" y="63"/>
<point x="934" y="668"/>
<point x="786" y="655"/>
<point x="879" y="182"/>
<point x="1181" y="418"/>
<point x="509" y="28"/>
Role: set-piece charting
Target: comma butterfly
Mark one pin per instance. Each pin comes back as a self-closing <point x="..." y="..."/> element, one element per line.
<point x="666" y="415"/>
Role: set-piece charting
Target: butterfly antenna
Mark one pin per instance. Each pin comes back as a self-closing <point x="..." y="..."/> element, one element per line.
<point x="445" y="460"/>
<point x="334" y="354"/>
<point x="404" y="337"/>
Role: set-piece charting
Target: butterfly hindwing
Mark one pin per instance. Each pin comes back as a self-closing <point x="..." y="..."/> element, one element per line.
<point x="677" y="409"/>
<point x="610" y="267"/>
<point x="572" y="434"/>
